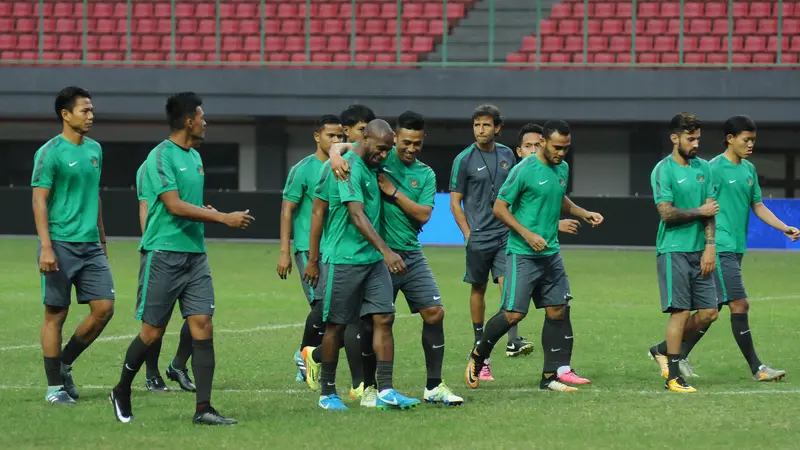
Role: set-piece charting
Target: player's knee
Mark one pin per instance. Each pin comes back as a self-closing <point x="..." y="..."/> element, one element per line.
<point x="514" y="318"/>
<point x="54" y="316"/>
<point x="150" y="334"/>
<point x="103" y="310"/>
<point x="478" y="289"/>
<point x="201" y="327"/>
<point x="739" y="306"/>
<point x="555" y="312"/>
<point x="433" y="315"/>
<point x="383" y="320"/>
<point x="707" y="316"/>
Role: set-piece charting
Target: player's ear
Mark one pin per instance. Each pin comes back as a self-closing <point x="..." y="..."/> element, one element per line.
<point x="674" y="138"/>
<point x="316" y="137"/>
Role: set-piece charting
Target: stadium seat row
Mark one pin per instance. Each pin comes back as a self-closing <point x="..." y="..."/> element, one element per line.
<point x="710" y="9"/>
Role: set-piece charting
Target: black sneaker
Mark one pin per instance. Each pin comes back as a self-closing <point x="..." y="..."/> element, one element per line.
<point x="210" y="416"/>
<point x="69" y="383"/>
<point x="181" y="376"/>
<point x="519" y="347"/>
<point x="121" y="401"/>
<point x="156" y="384"/>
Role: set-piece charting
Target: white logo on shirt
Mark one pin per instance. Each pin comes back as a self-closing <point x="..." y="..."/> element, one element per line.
<point x="543" y="182"/>
<point x="183" y="168"/>
<point x="681" y="181"/>
<point x="481" y="168"/>
<point x="732" y="181"/>
<point x="73" y="163"/>
<point x="366" y="184"/>
<point x="387" y="170"/>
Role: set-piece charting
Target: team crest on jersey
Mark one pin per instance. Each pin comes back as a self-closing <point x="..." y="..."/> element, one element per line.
<point x="200" y="170"/>
<point x="701" y="179"/>
<point x="750" y="181"/>
<point x="95" y="162"/>
<point x="414" y="183"/>
<point x="563" y="183"/>
<point x="504" y="164"/>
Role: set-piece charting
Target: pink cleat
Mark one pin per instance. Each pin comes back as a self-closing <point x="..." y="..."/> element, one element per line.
<point x="572" y="378"/>
<point x="486" y="372"/>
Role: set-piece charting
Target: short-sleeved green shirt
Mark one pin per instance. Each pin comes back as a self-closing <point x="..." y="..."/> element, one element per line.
<point x="346" y="245"/>
<point x="72" y="173"/>
<point x="686" y="187"/>
<point x="737" y="191"/>
<point x="325" y="182"/>
<point x="418" y="183"/>
<point x="173" y="168"/>
<point x="534" y="192"/>
<point x="300" y="186"/>
<point x="140" y="193"/>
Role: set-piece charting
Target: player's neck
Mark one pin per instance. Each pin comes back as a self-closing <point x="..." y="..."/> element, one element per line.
<point x="359" y="149"/>
<point x="732" y="156"/>
<point x="182" y="139"/>
<point x="321" y="155"/>
<point x="540" y="157"/>
<point x="487" y="147"/>
<point x="72" y="136"/>
<point x="676" y="155"/>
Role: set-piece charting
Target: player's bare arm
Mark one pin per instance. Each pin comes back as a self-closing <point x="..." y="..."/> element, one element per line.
<point x="47" y="261"/>
<point x="672" y="215"/>
<point x="569" y="207"/>
<point x="709" y="260"/>
<point x="420" y="213"/>
<point x="179" y="208"/>
<point x="457" y="208"/>
<point x="142" y="214"/>
<point x="319" y="210"/>
<point x="285" y="258"/>
<point x="101" y="229"/>
<point x="503" y="213"/>
<point x="764" y="213"/>
<point x="362" y="223"/>
<point x="340" y="167"/>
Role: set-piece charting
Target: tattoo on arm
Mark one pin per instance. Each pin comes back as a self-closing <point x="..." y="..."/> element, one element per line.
<point x="672" y="215"/>
<point x="711" y="231"/>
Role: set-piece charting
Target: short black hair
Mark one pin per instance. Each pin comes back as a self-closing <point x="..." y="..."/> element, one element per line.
<point x="739" y="124"/>
<point x="488" y="111"/>
<point x="529" y="128"/>
<point x="327" y="119"/>
<point x="555" y="126"/>
<point x="355" y="114"/>
<point x="182" y="106"/>
<point x="684" y="121"/>
<point x="411" y="120"/>
<point x="67" y="98"/>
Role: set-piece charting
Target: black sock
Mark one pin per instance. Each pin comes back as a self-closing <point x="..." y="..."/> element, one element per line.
<point x="73" y="349"/>
<point x="327" y="377"/>
<point x="477" y="328"/>
<point x="433" y="347"/>
<point x="741" y="332"/>
<point x="203" y="363"/>
<point x="553" y="344"/>
<point x="352" y="348"/>
<point x="674" y="366"/>
<point x="315" y="329"/>
<point x="496" y="327"/>
<point x="134" y="358"/>
<point x="184" y="348"/>
<point x="569" y="338"/>
<point x="384" y="370"/>
<point x="690" y="341"/>
<point x="661" y="347"/>
<point x="52" y="369"/>
<point x="369" y="361"/>
<point x="151" y="361"/>
<point x="513" y="334"/>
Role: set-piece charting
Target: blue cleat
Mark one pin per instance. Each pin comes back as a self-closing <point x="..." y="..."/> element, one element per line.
<point x="391" y="399"/>
<point x="301" y="367"/>
<point x="331" y="402"/>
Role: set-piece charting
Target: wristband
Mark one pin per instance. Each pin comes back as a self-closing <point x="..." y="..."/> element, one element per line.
<point x="394" y="193"/>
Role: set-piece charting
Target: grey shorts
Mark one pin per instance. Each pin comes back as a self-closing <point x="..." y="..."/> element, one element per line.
<point x="484" y="256"/>
<point x="682" y="286"/>
<point x="353" y="291"/>
<point x="312" y="294"/>
<point x="166" y="277"/>
<point x="728" y="277"/>
<point x="538" y="278"/>
<point x="418" y="285"/>
<point x="82" y="264"/>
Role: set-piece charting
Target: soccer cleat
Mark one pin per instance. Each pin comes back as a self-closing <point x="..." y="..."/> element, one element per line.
<point x="687" y="371"/>
<point x="312" y="369"/>
<point x="181" y="376"/>
<point x="121" y="401"/>
<point x="59" y="397"/>
<point x="391" y="399"/>
<point x="69" y="383"/>
<point x="370" y="397"/>
<point x="331" y="402"/>
<point x="210" y="416"/>
<point x="661" y="360"/>
<point x="572" y="378"/>
<point x="519" y="347"/>
<point x="442" y="394"/>
<point x="357" y="393"/>
<point x="552" y="384"/>
<point x="474" y="369"/>
<point x="678" y="384"/>
<point x="486" y="372"/>
<point x="156" y="384"/>
<point x="766" y="373"/>
<point x="301" y="366"/>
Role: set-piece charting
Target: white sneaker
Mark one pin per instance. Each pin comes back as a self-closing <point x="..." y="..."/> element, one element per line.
<point x="687" y="371"/>
<point x="442" y="394"/>
<point x="370" y="397"/>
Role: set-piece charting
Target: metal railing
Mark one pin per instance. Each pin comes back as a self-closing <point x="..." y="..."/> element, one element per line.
<point x="535" y="34"/>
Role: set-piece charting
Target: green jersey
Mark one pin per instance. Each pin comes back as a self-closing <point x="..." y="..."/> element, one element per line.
<point x="325" y="182"/>
<point x="534" y="192"/>
<point x="686" y="187"/>
<point x="418" y="183"/>
<point x="140" y="193"/>
<point x="346" y="244"/>
<point x="72" y="174"/>
<point x="173" y="168"/>
<point x="737" y="190"/>
<point x="300" y="186"/>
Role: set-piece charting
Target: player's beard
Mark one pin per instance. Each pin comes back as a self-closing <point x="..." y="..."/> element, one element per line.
<point x="687" y="155"/>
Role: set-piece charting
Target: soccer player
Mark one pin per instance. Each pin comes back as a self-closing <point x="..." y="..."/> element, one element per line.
<point x="298" y="198"/>
<point x="685" y="246"/>
<point x="358" y="283"/>
<point x="72" y="241"/>
<point x="476" y="177"/>
<point x="736" y="182"/>
<point x="174" y="264"/>
<point x="177" y="370"/>
<point x="530" y="203"/>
